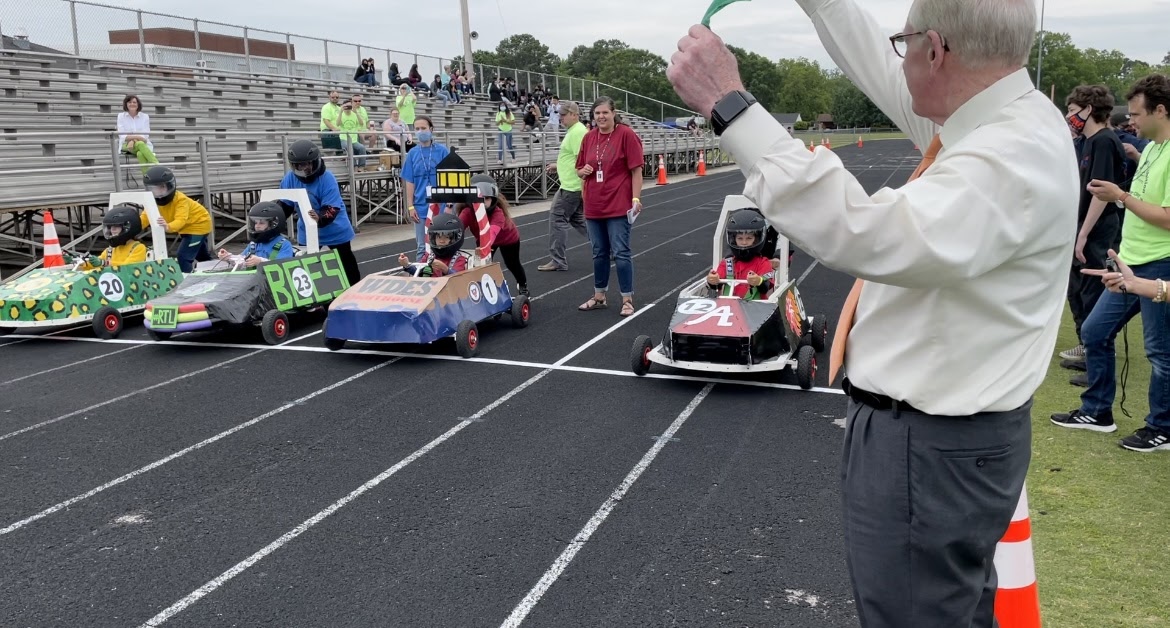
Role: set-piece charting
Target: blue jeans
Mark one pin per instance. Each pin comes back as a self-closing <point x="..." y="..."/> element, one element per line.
<point x="611" y="235"/>
<point x="1099" y="334"/>
<point x="192" y="248"/>
<point x="500" y="153"/>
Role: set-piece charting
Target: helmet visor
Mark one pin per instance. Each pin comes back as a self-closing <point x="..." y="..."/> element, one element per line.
<point x="160" y="190"/>
<point x="111" y="231"/>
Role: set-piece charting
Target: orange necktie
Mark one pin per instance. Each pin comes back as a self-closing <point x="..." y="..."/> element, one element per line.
<point x="837" y="352"/>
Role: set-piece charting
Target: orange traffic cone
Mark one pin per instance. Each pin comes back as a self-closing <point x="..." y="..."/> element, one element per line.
<point x="661" y="170"/>
<point x="53" y="256"/>
<point x="826" y="144"/>
<point x="1017" y="601"/>
<point x="859" y="142"/>
<point x="702" y="165"/>
<point x="811" y="148"/>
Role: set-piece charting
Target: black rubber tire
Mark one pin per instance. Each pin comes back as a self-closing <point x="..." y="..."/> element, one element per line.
<point x="332" y="344"/>
<point x="4" y="331"/>
<point x="107" y="323"/>
<point x="521" y="311"/>
<point x="467" y="339"/>
<point x="820" y="333"/>
<point x="639" y="363"/>
<point x="274" y="327"/>
<point x="806" y="367"/>
<point x="158" y="335"/>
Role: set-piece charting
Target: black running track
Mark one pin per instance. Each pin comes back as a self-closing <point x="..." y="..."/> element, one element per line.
<point x="213" y="481"/>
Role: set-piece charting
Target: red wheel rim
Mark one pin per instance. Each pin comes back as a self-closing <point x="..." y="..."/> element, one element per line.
<point x="646" y="355"/>
<point x="111" y="322"/>
<point x="524" y="311"/>
<point x="814" y="369"/>
<point x="280" y="328"/>
<point x="472" y="338"/>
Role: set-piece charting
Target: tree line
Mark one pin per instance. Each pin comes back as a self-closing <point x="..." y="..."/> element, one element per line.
<point x="795" y="85"/>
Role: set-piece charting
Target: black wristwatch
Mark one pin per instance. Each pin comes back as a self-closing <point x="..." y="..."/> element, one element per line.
<point x="729" y="108"/>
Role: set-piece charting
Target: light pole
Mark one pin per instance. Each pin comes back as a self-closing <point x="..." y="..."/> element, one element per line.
<point x="467" y="61"/>
<point x="1039" y="51"/>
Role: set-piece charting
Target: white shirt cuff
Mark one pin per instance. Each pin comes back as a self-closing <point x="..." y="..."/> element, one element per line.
<point x="753" y="135"/>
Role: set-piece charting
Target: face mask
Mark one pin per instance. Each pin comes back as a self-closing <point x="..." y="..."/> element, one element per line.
<point x="1077" y="123"/>
<point x="425" y="136"/>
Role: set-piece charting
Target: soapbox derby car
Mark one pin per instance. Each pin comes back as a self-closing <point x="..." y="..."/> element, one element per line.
<point x="223" y="293"/>
<point x="732" y="335"/>
<point x="62" y="296"/>
<point x="399" y="307"/>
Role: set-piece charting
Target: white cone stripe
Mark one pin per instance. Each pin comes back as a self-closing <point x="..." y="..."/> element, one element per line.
<point x="1022" y="505"/>
<point x="1014" y="565"/>
<point x="52" y="248"/>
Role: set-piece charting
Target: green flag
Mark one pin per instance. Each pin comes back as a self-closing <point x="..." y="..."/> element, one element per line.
<point x="716" y="6"/>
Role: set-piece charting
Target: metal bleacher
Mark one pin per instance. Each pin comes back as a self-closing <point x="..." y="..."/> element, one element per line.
<point x="224" y="134"/>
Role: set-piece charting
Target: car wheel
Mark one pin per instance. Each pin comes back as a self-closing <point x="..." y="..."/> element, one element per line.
<point x="806" y="367"/>
<point x="4" y="331"/>
<point x="107" y="323"/>
<point x="467" y="339"/>
<point x="274" y="327"/>
<point x="521" y="310"/>
<point x="332" y="344"/>
<point x="820" y="333"/>
<point x="640" y="355"/>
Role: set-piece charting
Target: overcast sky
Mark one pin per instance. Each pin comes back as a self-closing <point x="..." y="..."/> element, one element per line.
<point x="774" y="28"/>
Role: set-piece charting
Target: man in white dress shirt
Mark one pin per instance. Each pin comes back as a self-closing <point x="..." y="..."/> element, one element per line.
<point x="964" y="270"/>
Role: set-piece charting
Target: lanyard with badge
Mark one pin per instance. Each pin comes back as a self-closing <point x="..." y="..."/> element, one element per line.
<point x="600" y="153"/>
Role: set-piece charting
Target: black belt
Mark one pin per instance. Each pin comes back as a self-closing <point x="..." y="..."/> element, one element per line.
<point x="875" y="400"/>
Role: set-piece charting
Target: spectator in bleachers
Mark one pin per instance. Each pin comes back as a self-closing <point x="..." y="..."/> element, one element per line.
<point x="329" y="113"/>
<point x="372" y="139"/>
<point x="469" y="81"/>
<point x="419" y="171"/>
<point x="405" y="102"/>
<point x="439" y="92"/>
<point x="366" y="73"/>
<point x="1145" y="248"/>
<point x="394" y="77"/>
<point x="453" y="93"/>
<point x="496" y="90"/>
<point x="352" y="124"/>
<point x="328" y="207"/>
<point x="134" y="131"/>
<point x="397" y="133"/>
<point x="179" y="214"/>
<point x="610" y="162"/>
<point x="504" y="121"/>
<point x="553" y="125"/>
<point x="416" y="79"/>
<point x="567" y="210"/>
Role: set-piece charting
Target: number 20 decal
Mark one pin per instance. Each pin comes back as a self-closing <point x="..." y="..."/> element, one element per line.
<point x="111" y="286"/>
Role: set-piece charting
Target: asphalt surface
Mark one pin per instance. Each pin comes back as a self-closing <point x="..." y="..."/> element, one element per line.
<point x="213" y="481"/>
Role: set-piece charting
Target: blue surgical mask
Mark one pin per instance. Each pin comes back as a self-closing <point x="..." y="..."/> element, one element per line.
<point x="425" y="136"/>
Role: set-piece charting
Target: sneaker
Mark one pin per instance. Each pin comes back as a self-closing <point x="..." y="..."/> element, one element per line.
<point x="1080" y="420"/>
<point x="551" y="266"/>
<point x="524" y="290"/>
<point x="1146" y="439"/>
<point x="1080" y="379"/>
<point x="1076" y="353"/>
<point x="1073" y="365"/>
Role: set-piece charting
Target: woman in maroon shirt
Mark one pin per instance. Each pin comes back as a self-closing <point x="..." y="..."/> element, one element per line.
<point x="610" y="163"/>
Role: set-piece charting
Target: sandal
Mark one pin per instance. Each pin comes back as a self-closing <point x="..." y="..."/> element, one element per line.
<point x="627" y="307"/>
<point x="593" y="304"/>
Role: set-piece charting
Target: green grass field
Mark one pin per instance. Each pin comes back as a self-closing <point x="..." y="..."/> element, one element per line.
<point x="1100" y="514"/>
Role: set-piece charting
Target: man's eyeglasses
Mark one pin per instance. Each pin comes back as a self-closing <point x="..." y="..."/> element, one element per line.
<point x="899" y="42"/>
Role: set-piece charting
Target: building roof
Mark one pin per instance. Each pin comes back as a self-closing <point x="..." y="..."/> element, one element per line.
<point x="787" y="118"/>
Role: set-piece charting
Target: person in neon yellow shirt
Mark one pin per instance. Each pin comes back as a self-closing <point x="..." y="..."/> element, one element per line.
<point x="504" y="121"/>
<point x="1145" y="250"/>
<point x="405" y="102"/>
<point x="568" y="210"/>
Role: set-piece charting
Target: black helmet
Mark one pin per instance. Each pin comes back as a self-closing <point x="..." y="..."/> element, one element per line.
<point x="160" y="182"/>
<point x="746" y="221"/>
<point x="447" y="224"/>
<point x="125" y="216"/>
<point x="273" y="214"/>
<point x="305" y="159"/>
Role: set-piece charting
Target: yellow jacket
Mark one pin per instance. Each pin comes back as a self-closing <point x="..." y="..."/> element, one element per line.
<point x="183" y="215"/>
<point x="133" y="252"/>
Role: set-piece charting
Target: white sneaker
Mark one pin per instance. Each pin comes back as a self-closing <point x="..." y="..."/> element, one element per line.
<point x="1075" y="354"/>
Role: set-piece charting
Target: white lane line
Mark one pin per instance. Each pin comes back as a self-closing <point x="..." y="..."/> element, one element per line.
<point x="562" y="562"/>
<point x="70" y="365"/>
<point x="182" y="452"/>
<point x="697" y="378"/>
<point x="590" y="275"/>
<point x="217" y="582"/>
<point x="138" y="391"/>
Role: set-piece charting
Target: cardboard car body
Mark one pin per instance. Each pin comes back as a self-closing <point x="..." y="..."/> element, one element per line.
<point x="66" y="295"/>
<point x="220" y="294"/>
<point x="732" y="335"/>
